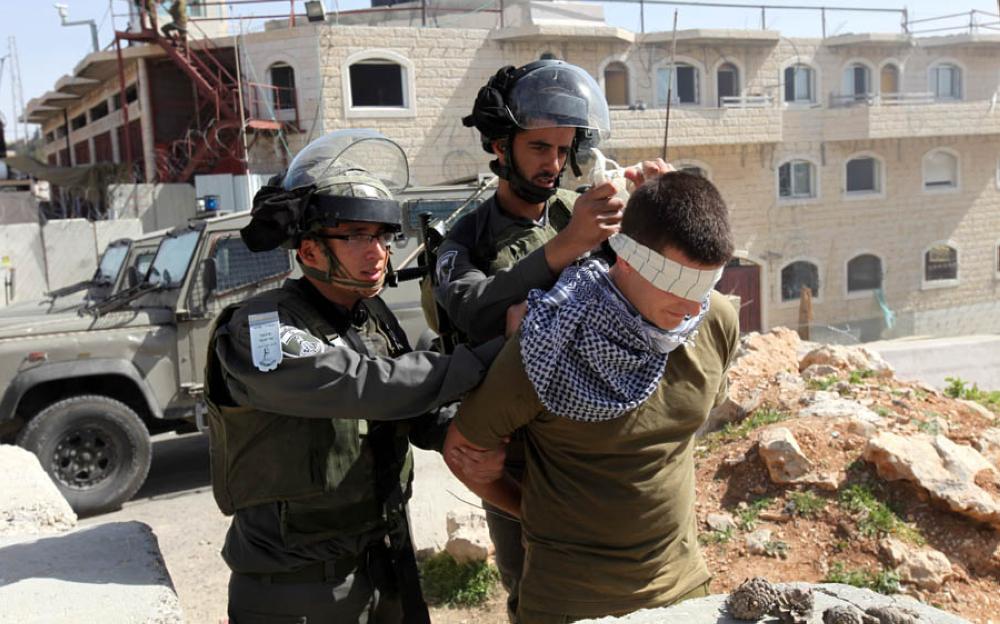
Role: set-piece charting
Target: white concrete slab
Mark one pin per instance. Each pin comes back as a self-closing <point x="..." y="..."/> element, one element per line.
<point x="22" y="263"/>
<point x="435" y="492"/>
<point x="111" y="573"/>
<point x="69" y="251"/>
<point x="31" y="503"/>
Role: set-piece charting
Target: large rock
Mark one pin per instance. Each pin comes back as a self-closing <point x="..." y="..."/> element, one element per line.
<point x="988" y="445"/>
<point x="924" y="567"/>
<point x="952" y="474"/>
<point x="110" y="573"/>
<point x="732" y="410"/>
<point x="710" y="610"/>
<point x="31" y="504"/>
<point x="468" y="536"/>
<point x="781" y="453"/>
<point x="847" y="359"/>
<point x="837" y="407"/>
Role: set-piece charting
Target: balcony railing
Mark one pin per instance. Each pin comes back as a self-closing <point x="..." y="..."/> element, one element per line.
<point x="880" y="99"/>
<point x="746" y="101"/>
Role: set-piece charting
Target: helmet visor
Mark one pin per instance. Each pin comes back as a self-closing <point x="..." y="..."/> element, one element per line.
<point x="559" y="96"/>
<point x="327" y="157"/>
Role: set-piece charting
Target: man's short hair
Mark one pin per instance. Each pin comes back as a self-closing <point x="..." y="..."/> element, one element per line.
<point x="682" y="211"/>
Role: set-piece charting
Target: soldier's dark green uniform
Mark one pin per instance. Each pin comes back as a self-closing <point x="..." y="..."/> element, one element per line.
<point x="311" y="456"/>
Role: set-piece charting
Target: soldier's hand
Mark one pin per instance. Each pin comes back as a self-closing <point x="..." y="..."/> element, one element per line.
<point x="647" y="170"/>
<point x="597" y="215"/>
<point x="477" y="465"/>
<point x="515" y="314"/>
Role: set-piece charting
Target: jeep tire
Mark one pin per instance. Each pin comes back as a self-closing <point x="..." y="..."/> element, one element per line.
<point x="95" y="449"/>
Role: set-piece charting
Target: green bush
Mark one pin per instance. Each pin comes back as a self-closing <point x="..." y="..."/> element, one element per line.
<point x="746" y="519"/>
<point x="447" y="582"/>
<point x="958" y="389"/>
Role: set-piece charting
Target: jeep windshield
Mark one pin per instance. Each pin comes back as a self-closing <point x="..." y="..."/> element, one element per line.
<point x="170" y="264"/>
<point x="111" y="263"/>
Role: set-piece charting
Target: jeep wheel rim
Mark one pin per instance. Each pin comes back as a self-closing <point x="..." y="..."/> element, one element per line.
<point x="84" y="458"/>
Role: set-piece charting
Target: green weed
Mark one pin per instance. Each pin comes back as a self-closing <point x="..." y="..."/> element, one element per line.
<point x="447" y="582"/>
<point x="883" y="581"/>
<point x="746" y="519"/>
<point x="806" y="504"/>
<point x="874" y="518"/>
<point x="822" y="383"/>
<point x="958" y="388"/>
<point x="858" y="377"/>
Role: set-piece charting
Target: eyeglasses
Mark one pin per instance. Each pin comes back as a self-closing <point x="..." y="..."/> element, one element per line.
<point x="363" y="240"/>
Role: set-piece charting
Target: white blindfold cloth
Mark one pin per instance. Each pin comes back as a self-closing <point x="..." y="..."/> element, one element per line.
<point x="666" y="274"/>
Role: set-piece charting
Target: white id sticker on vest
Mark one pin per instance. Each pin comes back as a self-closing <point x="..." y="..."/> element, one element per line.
<point x="265" y="340"/>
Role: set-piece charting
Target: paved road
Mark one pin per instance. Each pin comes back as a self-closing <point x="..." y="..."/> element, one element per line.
<point x="972" y="358"/>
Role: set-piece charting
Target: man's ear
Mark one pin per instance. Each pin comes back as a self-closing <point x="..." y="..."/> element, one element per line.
<point x="498" y="150"/>
<point x="310" y="253"/>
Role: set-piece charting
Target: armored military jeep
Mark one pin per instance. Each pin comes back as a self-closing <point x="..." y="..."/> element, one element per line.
<point x="85" y="390"/>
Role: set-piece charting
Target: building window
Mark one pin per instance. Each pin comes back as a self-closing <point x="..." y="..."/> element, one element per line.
<point x="727" y="82"/>
<point x="800" y="84"/>
<point x="996" y="257"/>
<point x="856" y="82"/>
<point x="616" y="84"/>
<point x="946" y="81"/>
<point x="283" y="80"/>
<point x="685" y="88"/>
<point x="941" y="263"/>
<point x="50" y="137"/>
<point x="864" y="175"/>
<point x="889" y="80"/>
<point x="196" y="8"/>
<point x="79" y="121"/>
<point x="693" y="170"/>
<point x="378" y="83"/>
<point x="98" y="112"/>
<point x="797" y="275"/>
<point x="796" y="180"/>
<point x="548" y="56"/>
<point x="864" y="273"/>
<point x="940" y="170"/>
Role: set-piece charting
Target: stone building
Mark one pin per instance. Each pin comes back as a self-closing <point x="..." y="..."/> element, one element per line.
<point x="865" y="167"/>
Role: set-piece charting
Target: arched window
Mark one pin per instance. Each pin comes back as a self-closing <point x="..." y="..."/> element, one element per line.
<point x="797" y="275"/>
<point x="940" y="170"/>
<point x="940" y="263"/>
<point x="378" y="83"/>
<point x="693" y="170"/>
<point x="864" y="272"/>
<point x="727" y="82"/>
<point x="548" y="56"/>
<point x="857" y="83"/>
<point x="889" y="79"/>
<point x="797" y="180"/>
<point x="800" y="84"/>
<point x="863" y="175"/>
<point x="686" y="87"/>
<point x="946" y="81"/>
<point x="282" y="78"/>
<point x="616" y="84"/>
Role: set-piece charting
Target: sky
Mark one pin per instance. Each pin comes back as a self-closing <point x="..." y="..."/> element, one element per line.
<point x="47" y="50"/>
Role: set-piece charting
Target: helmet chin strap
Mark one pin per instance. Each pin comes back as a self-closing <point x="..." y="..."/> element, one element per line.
<point x="337" y="275"/>
<point x="522" y="187"/>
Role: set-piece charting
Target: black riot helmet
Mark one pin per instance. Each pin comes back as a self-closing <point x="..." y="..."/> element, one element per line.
<point x="347" y="175"/>
<point x="541" y="94"/>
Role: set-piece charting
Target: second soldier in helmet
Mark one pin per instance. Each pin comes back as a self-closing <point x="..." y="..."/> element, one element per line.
<point x="535" y="120"/>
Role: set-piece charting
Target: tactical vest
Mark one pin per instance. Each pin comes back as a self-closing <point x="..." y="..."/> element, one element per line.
<point x="337" y="476"/>
<point x="490" y="252"/>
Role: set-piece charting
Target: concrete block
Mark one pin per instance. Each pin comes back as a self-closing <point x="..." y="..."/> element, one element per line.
<point x="107" y="231"/>
<point x="31" y="503"/>
<point x="23" y="262"/>
<point x="69" y="250"/>
<point x="111" y="573"/>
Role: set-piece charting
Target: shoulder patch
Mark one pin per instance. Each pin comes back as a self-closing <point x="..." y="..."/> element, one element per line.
<point x="445" y="266"/>
<point x="297" y="342"/>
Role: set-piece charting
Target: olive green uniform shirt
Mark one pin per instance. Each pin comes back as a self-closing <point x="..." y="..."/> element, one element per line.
<point x="607" y="508"/>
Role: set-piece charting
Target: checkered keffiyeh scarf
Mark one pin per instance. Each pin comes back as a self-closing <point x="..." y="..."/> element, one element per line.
<point x="585" y="349"/>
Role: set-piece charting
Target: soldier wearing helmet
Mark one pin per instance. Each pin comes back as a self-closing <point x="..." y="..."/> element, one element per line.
<point x="535" y="120"/>
<point x="314" y="397"/>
